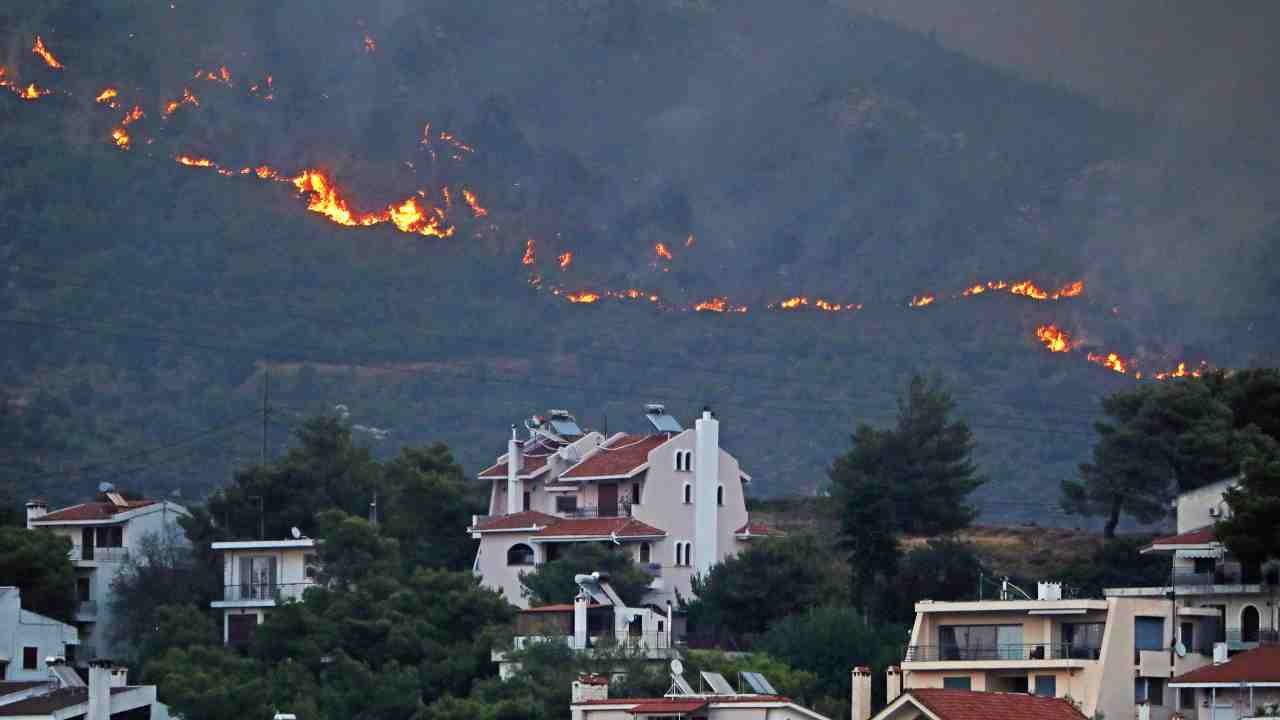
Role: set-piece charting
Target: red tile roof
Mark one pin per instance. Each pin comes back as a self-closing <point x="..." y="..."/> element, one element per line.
<point x="92" y="511"/>
<point x="530" y="465"/>
<point x="599" y="527"/>
<point x="1201" y="536"/>
<point x="715" y="700"/>
<point x="969" y="705"/>
<point x="516" y="521"/>
<point x="758" y="528"/>
<point x="1261" y="665"/>
<point x="593" y="679"/>
<point x="667" y="706"/>
<point x="52" y="702"/>
<point x="620" y="456"/>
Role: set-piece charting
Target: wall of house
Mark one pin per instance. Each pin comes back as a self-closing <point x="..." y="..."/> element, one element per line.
<point x="1193" y="505"/>
<point x="491" y="564"/>
<point x="1116" y="690"/>
<point x="1237" y="699"/>
<point x="290" y="568"/>
<point x="21" y="629"/>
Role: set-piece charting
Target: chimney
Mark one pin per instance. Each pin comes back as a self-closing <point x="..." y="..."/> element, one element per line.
<point x="893" y="683"/>
<point x="515" y="497"/>
<point x="860" y="700"/>
<point x="1219" y="653"/>
<point x="100" y="672"/>
<point x="706" y="467"/>
<point x="36" y="509"/>
<point x="1144" y="710"/>
<point x="119" y="677"/>
<point x="590" y="687"/>
<point x="580" y="622"/>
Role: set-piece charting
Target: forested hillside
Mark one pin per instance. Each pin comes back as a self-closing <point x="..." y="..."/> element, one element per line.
<point x="775" y="150"/>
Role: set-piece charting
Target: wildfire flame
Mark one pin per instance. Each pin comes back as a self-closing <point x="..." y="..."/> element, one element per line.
<point x="1055" y="339"/>
<point x="1183" y="372"/>
<point x="922" y="301"/>
<point x="474" y="204"/>
<point x="566" y="259"/>
<point x="1110" y="361"/>
<point x="190" y="161"/>
<point x="975" y="290"/>
<point x="662" y="251"/>
<point x="792" y="303"/>
<point x="719" y="305"/>
<point x="39" y="49"/>
<point x="1028" y="288"/>
<point x="187" y="99"/>
<point x="222" y="75"/>
<point x="107" y="97"/>
<point x="120" y="138"/>
<point x="132" y="116"/>
<point x="32" y="92"/>
<point x="528" y="253"/>
<point x="584" y="297"/>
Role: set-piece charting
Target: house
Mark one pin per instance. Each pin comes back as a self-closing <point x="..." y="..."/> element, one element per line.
<point x="673" y="499"/>
<point x="1233" y="688"/>
<point x="941" y="704"/>
<point x="1109" y="655"/>
<point x="591" y="701"/>
<point x="1205" y="574"/>
<point x="104" y="534"/>
<point x="596" y="620"/>
<point x="257" y="574"/>
<point x="28" y="640"/>
<point x="108" y="696"/>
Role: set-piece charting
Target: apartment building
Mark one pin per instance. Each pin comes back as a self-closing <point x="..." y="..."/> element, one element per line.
<point x="257" y="575"/>
<point x="1109" y="655"/>
<point x="1246" y="685"/>
<point x="28" y="640"/>
<point x="673" y="499"/>
<point x="104" y="535"/>
<point x="1246" y="596"/>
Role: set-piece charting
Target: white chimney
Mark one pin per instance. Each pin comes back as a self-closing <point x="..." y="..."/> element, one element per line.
<point x="36" y="509"/>
<point x="580" y="622"/>
<point x="706" y="513"/>
<point x="119" y="677"/>
<point x="893" y="683"/>
<point x="99" y="690"/>
<point x="590" y="687"/>
<point x="860" y="700"/>
<point x="1144" y="710"/>
<point x="515" y="497"/>
<point x="1219" y="653"/>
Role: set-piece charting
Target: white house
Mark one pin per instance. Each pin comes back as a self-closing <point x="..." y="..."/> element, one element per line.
<point x="590" y="701"/>
<point x="62" y="695"/>
<point x="673" y="499"/>
<point x="28" y="640"/>
<point x="103" y="536"/>
<point x="258" y="574"/>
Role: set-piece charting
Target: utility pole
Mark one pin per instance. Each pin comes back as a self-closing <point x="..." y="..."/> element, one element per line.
<point x="266" y="410"/>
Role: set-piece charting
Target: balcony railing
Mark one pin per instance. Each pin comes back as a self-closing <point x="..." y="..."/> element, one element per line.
<point x="1037" y="651"/>
<point x="590" y="511"/>
<point x="644" y="642"/>
<point x="1236" y="639"/>
<point x="265" y="591"/>
<point x="99" y="554"/>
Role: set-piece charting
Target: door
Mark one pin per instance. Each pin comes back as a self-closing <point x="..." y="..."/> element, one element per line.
<point x="608" y="500"/>
<point x="86" y="543"/>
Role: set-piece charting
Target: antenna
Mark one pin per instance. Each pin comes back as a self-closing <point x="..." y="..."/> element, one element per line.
<point x="297" y="534"/>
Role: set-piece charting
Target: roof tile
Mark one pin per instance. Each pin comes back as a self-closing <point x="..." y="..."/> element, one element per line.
<point x="515" y="521"/>
<point x="1261" y="664"/>
<point x="92" y="511"/>
<point x="599" y="527"/>
<point x="970" y="705"/>
<point x="1199" y="536"/>
<point x="620" y="456"/>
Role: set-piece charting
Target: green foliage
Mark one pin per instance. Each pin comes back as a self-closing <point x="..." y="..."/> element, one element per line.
<point x="158" y="576"/>
<point x="426" y="501"/>
<point x="799" y="685"/>
<point x="209" y="683"/>
<point x="1116" y="563"/>
<point x="38" y="562"/>
<point x="944" y="569"/>
<point x="174" y="626"/>
<point x="1252" y="532"/>
<point x="354" y="554"/>
<point x="553" y="582"/>
<point x="771" y="579"/>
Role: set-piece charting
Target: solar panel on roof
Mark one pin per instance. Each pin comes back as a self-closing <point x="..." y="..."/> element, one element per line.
<point x="565" y="427"/>
<point x="664" y="422"/>
<point x="718" y="684"/>
<point x="682" y="685"/>
<point x="758" y="683"/>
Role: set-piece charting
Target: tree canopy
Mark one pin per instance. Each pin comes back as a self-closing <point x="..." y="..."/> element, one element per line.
<point x="38" y="562"/>
<point x="553" y="582"/>
<point x="1252" y="532"/>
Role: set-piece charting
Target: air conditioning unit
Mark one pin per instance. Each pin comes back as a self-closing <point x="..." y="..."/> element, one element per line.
<point x="1213" y="512"/>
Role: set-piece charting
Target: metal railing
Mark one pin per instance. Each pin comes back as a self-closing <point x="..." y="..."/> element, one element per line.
<point x="1035" y="651"/>
<point x="265" y="591"/>
<point x="1236" y="637"/>
<point x="643" y="642"/>
<point x="591" y="511"/>
<point x="99" y="553"/>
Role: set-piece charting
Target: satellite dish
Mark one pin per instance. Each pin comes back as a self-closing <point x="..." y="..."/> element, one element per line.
<point x="677" y="667"/>
<point x="297" y="534"/>
<point x="1180" y="649"/>
<point x="104" y="487"/>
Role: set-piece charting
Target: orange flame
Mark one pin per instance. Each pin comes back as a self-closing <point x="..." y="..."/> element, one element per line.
<point x="187" y="99"/>
<point x="792" y="303"/>
<point x="1110" y="361"/>
<point x="1182" y="372"/>
<point x="120" y="138"/>
<point x="1053" y="338"/>
<point x="975" y="290"/>
<point x="1031" y="290"/>
<point x="448" y="199"/>
<point x="719" y="305"/>
<point x="32" y="92"/>
<point x="834" y="307"/>
<point x="474" y="204"/>
<point x="266" y="172"/>
<point x="39" y="49"/>
<point x="190" y="161"/>
<point x="369" y="43"/>
<point x="583" y="297"/>
<point x="132" y="116"/>
<point x="223" y="76"/>
<point x="663" y="252"/>
<point x="107" y="97"/>
<point x="528" y="253"/>
<point x="566" y="259"/>
<point x="922" y="300"/>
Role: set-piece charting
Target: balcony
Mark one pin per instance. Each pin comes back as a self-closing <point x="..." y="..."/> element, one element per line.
<point x="1236" y="639"/>
<point x="90" y="553"/>
<point x="86" y="611"/>
<point x="1037" y="651"/>
<point x="589" y="511"/>
<point x="261" y="594"/>
<point x="650" y="645"/>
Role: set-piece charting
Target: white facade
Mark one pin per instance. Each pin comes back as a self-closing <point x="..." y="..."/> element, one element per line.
<point x="104" y="536"/>
<point x="257" y="574"/>
<point x="28" y="639"/>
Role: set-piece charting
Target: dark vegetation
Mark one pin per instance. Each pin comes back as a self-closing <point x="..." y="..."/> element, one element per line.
<point x="143" y="304"/>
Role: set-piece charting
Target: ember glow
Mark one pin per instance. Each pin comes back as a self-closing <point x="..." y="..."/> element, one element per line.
<point x="107" y="97"/>
<point x="922" y="301"/>
<point x="1055" y="339"/>
<point x="370" y="44"/>
<point x="528" y="253"/>
<point x="132" y="116"/>
<point x="565" y="259"/>
<point x="662" y="251"/>
<point x="1183" y="372"/>
<point x="187" y="99"/>
<point x="120" y="138"/>
<point x="39" y="49"/>
<point x="1111" y="361"/>
<point x="32" y="92"/>
<point x="190" y="161"/>
<point x="582" y="298"/>
<point x="719" y="305"/>
<point x="474" y="204"/>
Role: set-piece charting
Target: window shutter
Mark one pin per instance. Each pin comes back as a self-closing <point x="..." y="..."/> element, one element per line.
<point x="246" y="577"/>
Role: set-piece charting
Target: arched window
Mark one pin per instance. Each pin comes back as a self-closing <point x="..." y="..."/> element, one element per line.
<point x="688" y="494"/>
<point x="1249" y="621"/>
<point x="684" y="553"/>
<point x="720" y="496"/>
<point x="684" y="460"/>
<point x="644" y="552"/>
<point x="520" y="554"/>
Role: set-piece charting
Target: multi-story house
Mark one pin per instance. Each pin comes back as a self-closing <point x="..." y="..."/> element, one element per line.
<point x="103" y="535"/>
<point x="28" y="640"/>
<point x="258" y="574"/>
<point x="1205" y="574"/>
<point x="673" y="499"/>
<point x="1238" y="687"/>
<point x="1109" y="655"/>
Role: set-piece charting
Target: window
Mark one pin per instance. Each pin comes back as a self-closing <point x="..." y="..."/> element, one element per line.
<point x="82" y="589"/>
<point x="258" y="577"/>
<point x="520" y="554"/>
<point x="684" y="461"/>
<point x="1186" y="698"/>
<point x="1082" y="641"/>
<point x="525" y="506"/>
<point x="635" y="493"/>
<point x="982" y="642"/>
<point x="311" y="566"/>
<point x="688" y="494"/>
<point x="1187" y="635"/>
<point x="720" y="496"/>
<point x="1249" y="623"/>
<point x="956" y="683"/>
<point x="111" y="536"/>
<point x="30" y="658"/>
<point x="644" y="552"/>
<point x="1204" y="566"/>
<point x="567" y="504"/>
<point x="684" y="554"/>
<point x="1149" y="690"/>
<point x="1047" y="685"/>
<point x="1148" y="633"/>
